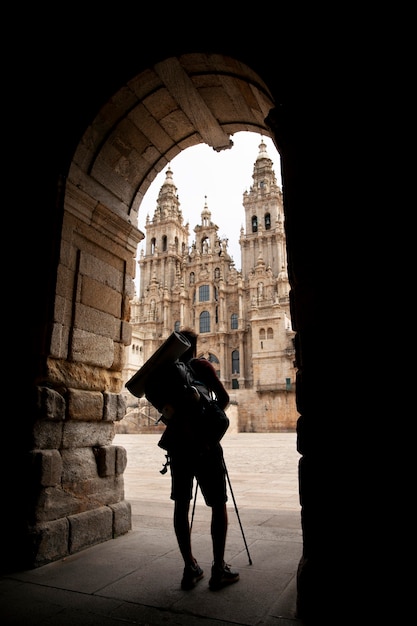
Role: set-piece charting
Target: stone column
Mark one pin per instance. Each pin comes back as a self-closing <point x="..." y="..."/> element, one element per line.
<point x="76" y="472"/>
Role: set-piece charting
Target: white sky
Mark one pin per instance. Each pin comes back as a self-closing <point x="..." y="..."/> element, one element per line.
<point x="222" y="177"/>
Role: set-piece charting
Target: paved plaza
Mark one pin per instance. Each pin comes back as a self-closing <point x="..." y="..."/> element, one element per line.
<point x="263" y="470"/>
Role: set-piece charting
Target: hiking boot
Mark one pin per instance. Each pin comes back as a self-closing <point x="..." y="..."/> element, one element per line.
<point x="222" y="576"/>
<point x="191" y="576"/>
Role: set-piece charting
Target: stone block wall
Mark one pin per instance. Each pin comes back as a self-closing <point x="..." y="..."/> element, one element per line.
<point x="77" y="474"/>
<point x="266" y="412"/>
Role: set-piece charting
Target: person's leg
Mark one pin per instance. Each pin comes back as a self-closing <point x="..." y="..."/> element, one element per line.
<point x="221" y="572"/>
<point x="219" y="523"/>
<point x="192" y="571"/>
<point x="212" y="480"/>
<point x="181" y="493"/>
<point x="182" y="530"/>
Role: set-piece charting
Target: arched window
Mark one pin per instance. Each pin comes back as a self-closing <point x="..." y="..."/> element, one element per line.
<point x="153" y="245"/>
<point x="235" y="362"/>
<point x="267" y="221"/>
<point x="262" y="333"/>
<point x="176" y="244"/>
<point x="234" y="321"/>
<point x="164" y="243"/>
<point x="254" y="224"/>
<point x="204" y="322"/>
<point x="270" y="333"/>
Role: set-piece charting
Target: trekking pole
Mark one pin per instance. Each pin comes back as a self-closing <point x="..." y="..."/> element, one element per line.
<point x="195" y="500"/>
<point x="237" y="512"/>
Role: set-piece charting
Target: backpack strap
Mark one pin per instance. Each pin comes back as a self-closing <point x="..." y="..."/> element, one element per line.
<point x="202" y="387"/>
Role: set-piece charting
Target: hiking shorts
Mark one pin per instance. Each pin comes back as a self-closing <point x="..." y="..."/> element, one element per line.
<point x="209" y="470"/>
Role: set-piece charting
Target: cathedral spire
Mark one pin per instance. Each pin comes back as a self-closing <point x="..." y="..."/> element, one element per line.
<point x="168" y="204"/>
<point x="169" y="182"/>
<point x="263" y="154"/>
<point x="206" y="214"/>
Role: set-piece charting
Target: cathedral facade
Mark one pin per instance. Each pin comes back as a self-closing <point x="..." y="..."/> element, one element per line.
<point x="242" y="317"/>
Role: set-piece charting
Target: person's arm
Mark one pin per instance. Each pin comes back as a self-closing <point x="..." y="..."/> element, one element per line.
<point x="210" y="378"/>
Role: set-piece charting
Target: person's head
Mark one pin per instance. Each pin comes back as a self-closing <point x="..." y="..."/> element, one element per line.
<point x="192" y="350"/>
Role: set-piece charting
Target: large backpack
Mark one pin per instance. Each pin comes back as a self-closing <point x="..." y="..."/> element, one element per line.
<point x="176" y="384"/>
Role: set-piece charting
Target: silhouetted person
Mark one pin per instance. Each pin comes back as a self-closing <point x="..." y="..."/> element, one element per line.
<point x="191" y="458"/>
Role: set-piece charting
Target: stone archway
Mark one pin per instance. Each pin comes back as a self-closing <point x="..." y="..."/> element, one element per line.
<point x="176" y="104"/>
<point x="167" y="108"/>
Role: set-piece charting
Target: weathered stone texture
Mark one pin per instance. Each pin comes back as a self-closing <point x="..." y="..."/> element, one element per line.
<point x="65" y="284"/>
<point x="90" y="320"/>
<point x="104" y="491"/>
<point x="90" y="528"/>
<point x="47" y="434"/>
<point x="71" y="375"/>
<point x="87" y="434"/>
<point x="121" y="460"/>
<point x="114" y="407"/>
<point x="50" y="404"/>
<point x="111" y="460"/>
<point x="59" y="341"/>
<point x="93" y="349"/>
<point x="55" y="503"/>
<point x="85" y="405"/>
<point x="101" y="297"/>
<point x="122" y="518"/>
<point x="50" y="541"/>
<point x="47" y="467"/>
<point x="94" y="492"/>
<point x="126" y="333"/>
<point x="78" y="464"/>
<point x="92" y="265"/>
<point x="106" y="460"/>
<point x="77" y="496"/>
<point x="119" y="357"/>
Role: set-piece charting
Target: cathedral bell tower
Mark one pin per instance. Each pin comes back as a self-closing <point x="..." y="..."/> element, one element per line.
<point x="264" y="264"/>
<point x="264" y="219"/>
<point x="161" y="264"/>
